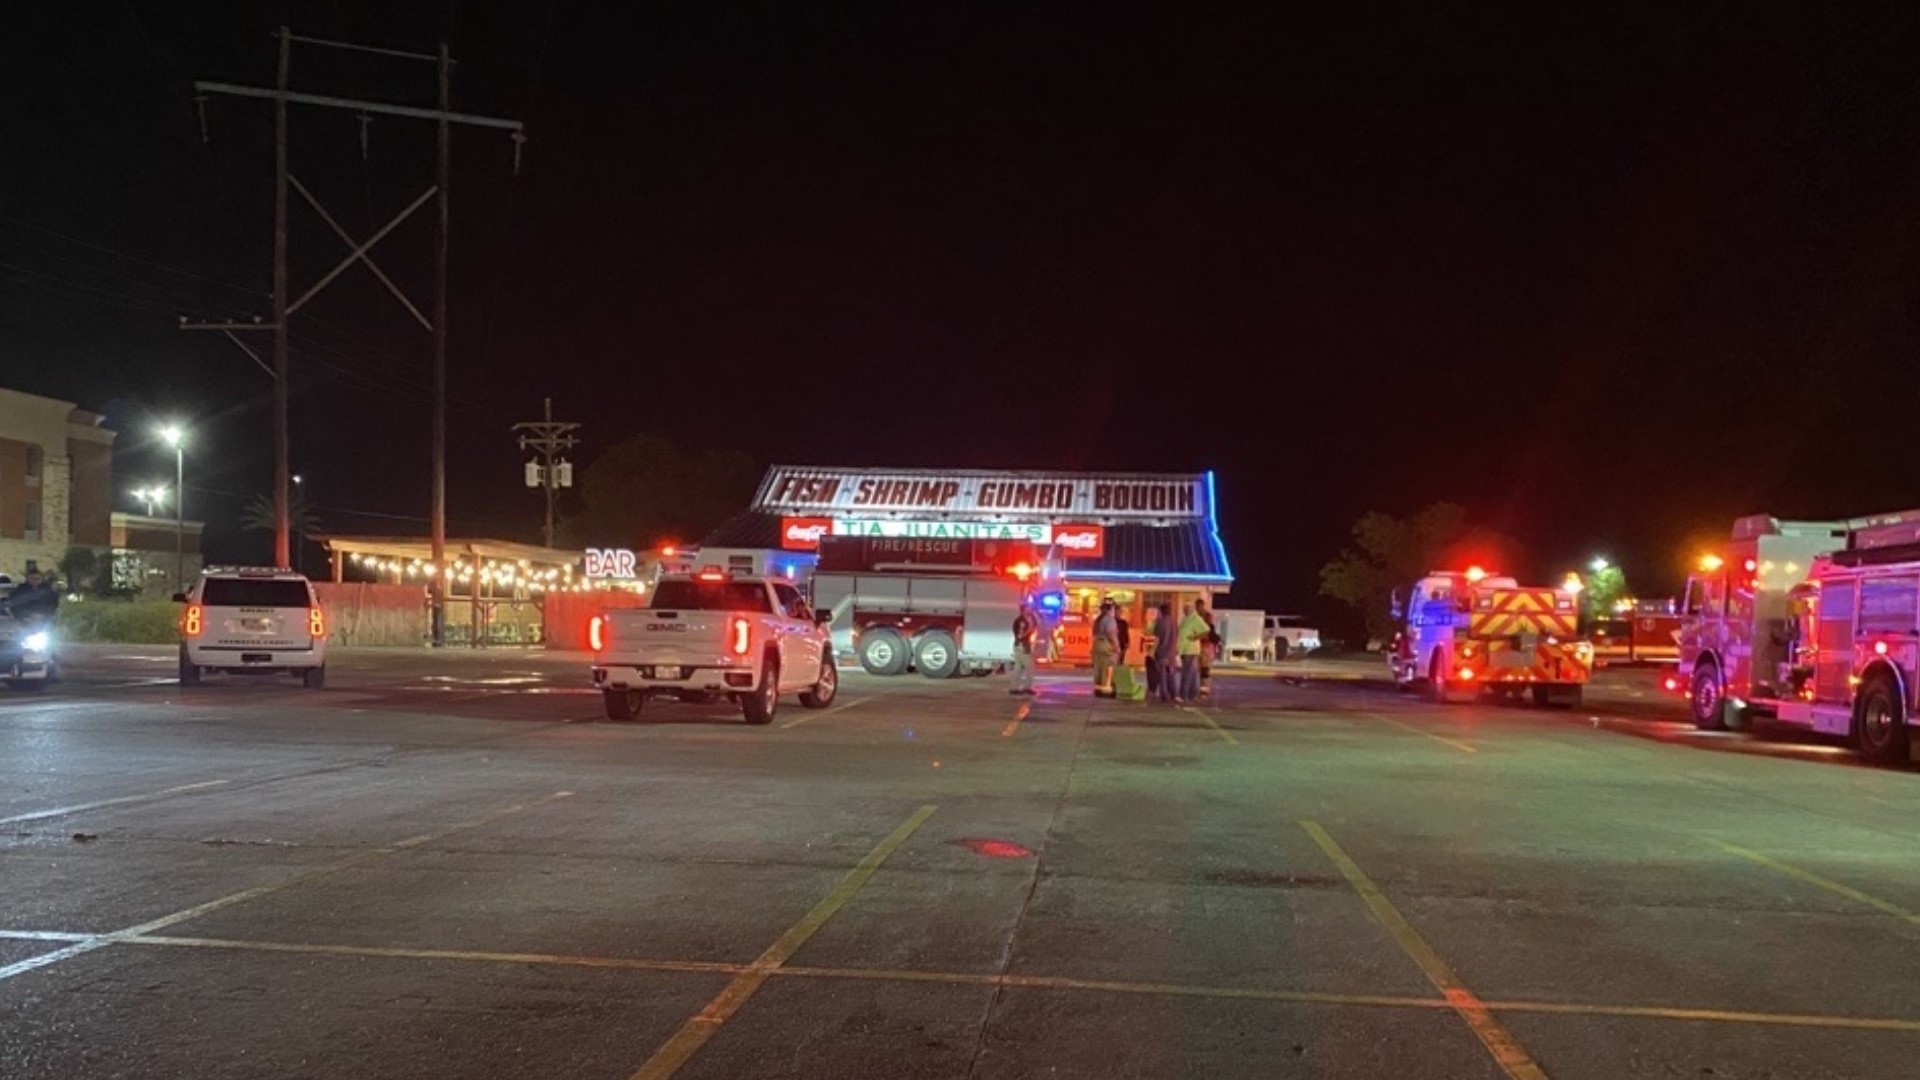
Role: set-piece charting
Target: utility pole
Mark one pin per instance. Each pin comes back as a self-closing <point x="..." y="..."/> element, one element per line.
<point x="547" y="438"/>
<point x="282" y="95"/>
<point x="437" y="531"/>
<point x="282" y="439"/>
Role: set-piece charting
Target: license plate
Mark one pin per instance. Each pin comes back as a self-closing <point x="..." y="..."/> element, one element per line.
<point x="256" y="624"/>
<point x="666" y="673"/>
<point x="256" y="658"/>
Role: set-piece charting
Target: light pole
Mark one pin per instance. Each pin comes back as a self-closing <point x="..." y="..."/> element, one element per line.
<point x="152" y="496"/>
<point x="177" y="438"/>
<point x="299" y="539"/>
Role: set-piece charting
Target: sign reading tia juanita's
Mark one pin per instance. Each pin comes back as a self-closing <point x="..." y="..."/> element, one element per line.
<point x="1091" y="497"/>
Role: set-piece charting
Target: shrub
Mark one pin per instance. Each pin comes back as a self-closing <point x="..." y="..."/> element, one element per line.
<point x="124" y="622"/>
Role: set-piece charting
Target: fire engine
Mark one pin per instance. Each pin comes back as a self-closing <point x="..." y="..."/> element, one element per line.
<point x="938" y="606"/>
<point x="1474" y="634"/>
<point x="1815" y="624"/>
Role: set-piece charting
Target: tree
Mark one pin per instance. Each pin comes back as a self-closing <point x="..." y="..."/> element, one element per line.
<point x="1603" y="587"/>
<point x="80" y="570"/>
<point x="302" y="518"/>
<point x="1391" y="553"/>
<point x="646" y="490"/>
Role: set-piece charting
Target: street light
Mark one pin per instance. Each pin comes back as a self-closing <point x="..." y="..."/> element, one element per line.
<point x="1599" y="563"/>
<point x="156" y="495"/>
<point x="175" y="437"/>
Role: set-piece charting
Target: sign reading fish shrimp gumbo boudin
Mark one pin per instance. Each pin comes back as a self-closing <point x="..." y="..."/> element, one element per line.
<point x="1052" y="496"/>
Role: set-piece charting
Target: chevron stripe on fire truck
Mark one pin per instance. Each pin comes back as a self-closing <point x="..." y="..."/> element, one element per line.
<point x="1524" y="611"/>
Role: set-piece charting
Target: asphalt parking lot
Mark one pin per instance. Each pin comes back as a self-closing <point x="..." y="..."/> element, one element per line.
<point x="454" y="867"/>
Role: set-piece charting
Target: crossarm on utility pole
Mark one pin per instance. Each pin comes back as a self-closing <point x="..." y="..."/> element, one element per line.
<point x="383" y="107"/>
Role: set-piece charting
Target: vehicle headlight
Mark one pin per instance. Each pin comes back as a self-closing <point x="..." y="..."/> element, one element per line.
<point x="35" y="642"/>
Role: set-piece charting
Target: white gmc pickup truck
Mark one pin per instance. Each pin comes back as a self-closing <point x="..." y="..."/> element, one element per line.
<point x="713" y="634"/>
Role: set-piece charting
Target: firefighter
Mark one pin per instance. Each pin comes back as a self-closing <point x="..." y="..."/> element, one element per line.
<point x="1106" y="644"/>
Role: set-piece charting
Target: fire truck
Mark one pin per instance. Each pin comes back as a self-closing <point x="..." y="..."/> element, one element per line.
<point x="938" y="606"/>
<point x="1814" y="624"/>
<point x="1474" y="634"/>
<point x="1638" y="632"/>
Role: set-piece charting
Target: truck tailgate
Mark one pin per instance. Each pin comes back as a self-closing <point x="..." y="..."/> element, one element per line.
<point x="687" y="638"/>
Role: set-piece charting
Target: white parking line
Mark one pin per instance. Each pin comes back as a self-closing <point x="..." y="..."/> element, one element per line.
<point x="804" y="717"/>
<point x="59" y="811"/>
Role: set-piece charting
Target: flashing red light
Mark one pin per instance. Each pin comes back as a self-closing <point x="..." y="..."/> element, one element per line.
<point x="1022" y="571"/>
<point x="669" y="550"/>
<point x="191" y="622"/>
<point x="1466" y="674"/>
<point x="1879" y="648"/>
<point x="742" y="636"/>
<point x="316" y="623"/>
<point x="1476" y="573"/>
<point x="1672" y="684"/>
<point x="597" y="633"/>
<point x="711" y="573"/>
<point x="1751" y="566"/>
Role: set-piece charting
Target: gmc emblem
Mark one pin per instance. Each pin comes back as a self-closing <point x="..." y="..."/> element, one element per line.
<point x="667" y="627"/>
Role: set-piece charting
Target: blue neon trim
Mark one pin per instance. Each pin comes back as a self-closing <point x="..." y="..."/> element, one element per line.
<point x="1142" y="575"/>
<point x="1213" y="530"/>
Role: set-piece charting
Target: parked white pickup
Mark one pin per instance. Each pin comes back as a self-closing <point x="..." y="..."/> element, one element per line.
<point x="711" y="635"/>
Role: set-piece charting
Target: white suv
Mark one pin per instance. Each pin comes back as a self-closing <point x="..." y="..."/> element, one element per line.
<point x="250" y="620"/>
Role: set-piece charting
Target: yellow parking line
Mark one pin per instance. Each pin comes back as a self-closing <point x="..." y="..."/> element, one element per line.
<point x="806" y="716"/>
<point x="1455" y="743"/>
<point x="1035" y="982"/>
<point x="1512" y="1058"/>
<point x="1811" y="878"/>
<point x="1056" y="982"/>
<point x="1723" y="1016"/>
<point x="696" y="1031"/>
<point x="1019" y="715"/>
<point x="1212" y="723"/>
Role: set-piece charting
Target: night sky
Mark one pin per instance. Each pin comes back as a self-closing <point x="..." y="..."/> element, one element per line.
<point x="1607" y="279"/>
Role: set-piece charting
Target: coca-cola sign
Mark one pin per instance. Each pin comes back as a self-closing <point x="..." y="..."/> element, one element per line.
<point x="804" y="533"/>
<point x="1080" y="541"/>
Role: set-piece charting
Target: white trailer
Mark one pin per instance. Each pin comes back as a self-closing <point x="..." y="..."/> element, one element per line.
<point x="1242" y="632"/>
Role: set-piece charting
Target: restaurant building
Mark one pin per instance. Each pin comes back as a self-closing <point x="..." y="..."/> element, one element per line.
<point x="1139" y="539"/>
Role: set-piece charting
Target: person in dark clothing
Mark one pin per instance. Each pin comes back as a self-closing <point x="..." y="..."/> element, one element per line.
<point x="35" y="601"/>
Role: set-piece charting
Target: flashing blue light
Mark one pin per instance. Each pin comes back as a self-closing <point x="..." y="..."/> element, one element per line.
<point x="1052" y="601"/>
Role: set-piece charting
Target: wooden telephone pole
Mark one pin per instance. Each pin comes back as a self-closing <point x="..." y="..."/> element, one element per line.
<point x="547" y="438"/>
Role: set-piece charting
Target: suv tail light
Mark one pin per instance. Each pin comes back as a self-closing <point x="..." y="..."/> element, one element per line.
<point x="316" y="622"/>
<point x="742" y="636"/>
<point x="598" y="633"/>
<point x="190" y="621"/>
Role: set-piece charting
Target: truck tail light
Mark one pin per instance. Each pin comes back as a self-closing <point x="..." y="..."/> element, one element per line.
<point x="742" y="636"/>
<point x="316" y="622"/>
<point x="190" y="621"/>
<point x="597" y="633"/>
